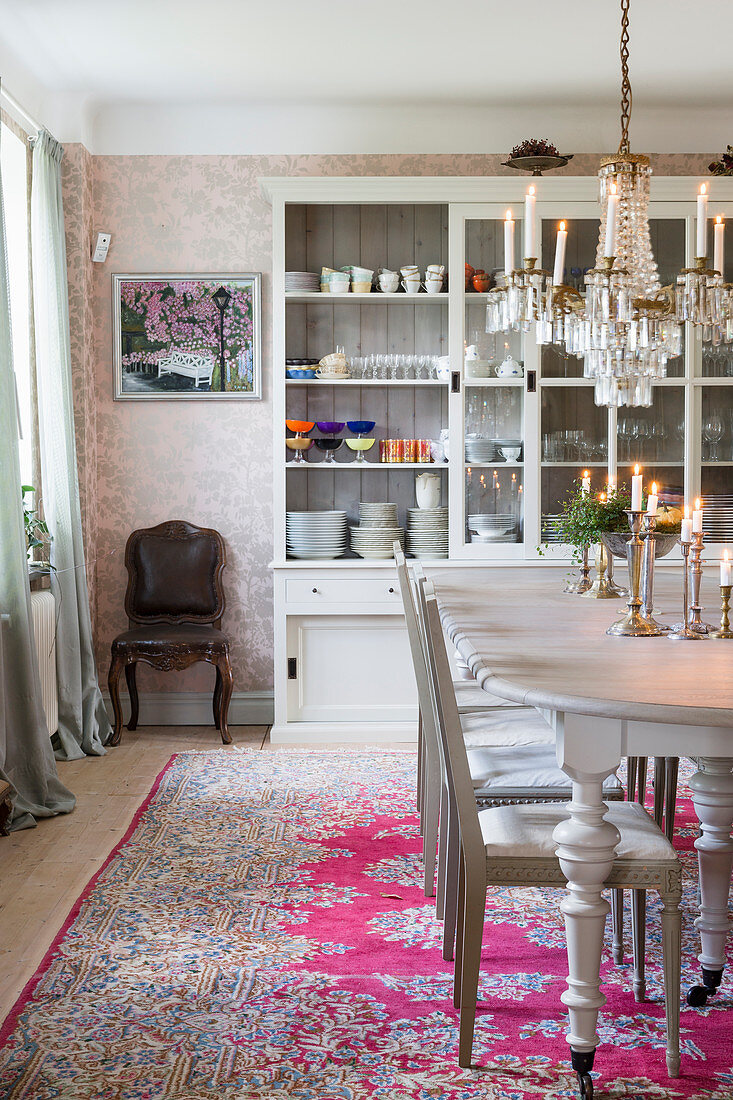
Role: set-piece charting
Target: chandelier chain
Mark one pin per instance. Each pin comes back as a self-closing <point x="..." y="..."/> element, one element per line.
<point x="624" y="146"/>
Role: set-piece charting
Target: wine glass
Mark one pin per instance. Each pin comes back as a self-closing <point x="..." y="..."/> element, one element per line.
<point x="712" y="433"/>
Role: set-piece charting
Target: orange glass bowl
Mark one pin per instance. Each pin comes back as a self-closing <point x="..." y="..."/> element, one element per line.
<point x="300" y="425"/>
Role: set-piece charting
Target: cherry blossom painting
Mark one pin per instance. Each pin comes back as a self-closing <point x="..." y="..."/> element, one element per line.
<point x="187" y="336"/>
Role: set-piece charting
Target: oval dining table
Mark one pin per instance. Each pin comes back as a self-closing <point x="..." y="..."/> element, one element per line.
<point x="610" y="698"/>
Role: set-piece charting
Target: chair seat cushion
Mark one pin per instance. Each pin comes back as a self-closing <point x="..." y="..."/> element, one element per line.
<point x="171" y="635"/>
<point x="506" y="726"/>
<point x="530" y="768"/>
<point x="526" y="831"/>
<point x="471" y="696"/>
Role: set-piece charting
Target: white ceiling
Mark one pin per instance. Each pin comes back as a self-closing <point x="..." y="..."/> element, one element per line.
<point x="104" y="68"/>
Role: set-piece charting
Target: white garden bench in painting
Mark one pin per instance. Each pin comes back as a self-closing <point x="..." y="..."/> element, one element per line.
<point x="198" y="367"/>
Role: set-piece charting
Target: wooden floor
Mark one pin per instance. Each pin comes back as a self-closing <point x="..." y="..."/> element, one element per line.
<point x="43" y="870"/>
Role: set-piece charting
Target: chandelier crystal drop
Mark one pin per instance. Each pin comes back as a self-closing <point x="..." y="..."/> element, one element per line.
<point x="626" y="326"/>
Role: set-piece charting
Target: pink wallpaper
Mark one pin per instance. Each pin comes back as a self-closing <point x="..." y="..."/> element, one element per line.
<point x="211" y="464"/>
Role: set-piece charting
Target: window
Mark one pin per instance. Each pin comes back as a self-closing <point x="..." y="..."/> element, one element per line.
<point x="14" y="165"/>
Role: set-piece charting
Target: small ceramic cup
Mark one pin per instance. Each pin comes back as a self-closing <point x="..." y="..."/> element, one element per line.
<point x="410" y="269"/>
<point x="389" y="282"/>
<point x="412" y="284"/>
<point x="434" y="286"/>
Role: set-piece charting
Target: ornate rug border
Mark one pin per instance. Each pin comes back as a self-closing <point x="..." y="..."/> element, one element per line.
<point x="29" y="988"/>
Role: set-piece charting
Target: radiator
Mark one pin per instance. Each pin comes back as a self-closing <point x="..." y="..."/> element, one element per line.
<point x="43" y="615"/>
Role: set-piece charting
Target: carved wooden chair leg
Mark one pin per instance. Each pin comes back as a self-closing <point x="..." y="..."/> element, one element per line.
<point x="216" y="705"/>
<point x="672" y="764"/>
<point x="130" y="671"/>
<point x="638" y="935"/>
<point x="671" y="946"/>
<point x="113" y="678"/>
<point x="225" y="670"/>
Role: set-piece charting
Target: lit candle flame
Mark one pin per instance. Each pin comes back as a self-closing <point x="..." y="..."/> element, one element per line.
<point x="602" y="497"/>
<point x="703" y="188"/>
<point x="585" y="473"/>
<point x="719" y="219"/>
<point x="531" y="191"/>
<point x="654" y="488"/>
<point x="636" y="470"/>
<point x="508" y="215"/>
<point x="613" y="189"/>
<point x="698" y="504"/>
<point x="726" y="556"/>
<point x="561" y="227"/>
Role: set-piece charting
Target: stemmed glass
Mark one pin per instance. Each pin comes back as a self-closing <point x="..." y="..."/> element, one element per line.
<point x="712" y="433"/>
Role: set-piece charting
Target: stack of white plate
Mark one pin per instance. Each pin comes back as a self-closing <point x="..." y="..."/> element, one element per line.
<point x="479" y="450"/>
<point x="427" y="532"/>
<point x="315" y="534"/>
<point x="377" y="515"/>
<point x="492" y="527"/>
<point x="717" y="517"/>
<point x="376" y="542"/>
<point x="307" y="282"/>
<point x="550" y="527"/>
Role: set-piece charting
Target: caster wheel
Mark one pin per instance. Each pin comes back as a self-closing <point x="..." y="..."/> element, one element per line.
<point x="698" y="996"/>
<point x="586" y="1086"/>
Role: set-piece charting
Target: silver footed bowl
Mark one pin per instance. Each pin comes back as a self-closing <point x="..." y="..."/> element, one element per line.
<point x="616" y="542"/>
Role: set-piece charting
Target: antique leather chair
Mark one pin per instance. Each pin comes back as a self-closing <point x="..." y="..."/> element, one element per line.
<point x="174" y="603"/>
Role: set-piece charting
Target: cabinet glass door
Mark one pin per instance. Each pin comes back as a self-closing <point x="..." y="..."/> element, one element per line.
<point x="491" y="412"/>
<point x="716" y="464"/>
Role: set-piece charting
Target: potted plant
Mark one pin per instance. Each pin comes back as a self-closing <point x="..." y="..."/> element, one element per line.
<point x="37" y="536"/>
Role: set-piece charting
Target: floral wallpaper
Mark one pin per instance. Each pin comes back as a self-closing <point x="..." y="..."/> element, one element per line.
<point x="210" y="464"/>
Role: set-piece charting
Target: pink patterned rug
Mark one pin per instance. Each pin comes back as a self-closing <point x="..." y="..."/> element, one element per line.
<point x="261" y="932"/>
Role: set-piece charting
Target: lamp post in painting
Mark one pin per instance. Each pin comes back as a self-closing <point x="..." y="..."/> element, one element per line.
<point x="221" y="298"/>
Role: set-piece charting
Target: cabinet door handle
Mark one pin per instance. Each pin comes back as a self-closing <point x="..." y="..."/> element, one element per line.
<point x="391" y="590"/>
<point x="315" y="591"/>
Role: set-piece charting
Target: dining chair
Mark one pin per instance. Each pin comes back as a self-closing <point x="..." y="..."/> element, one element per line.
<point x="502" y="771"/>
<point x="512" y="845"/>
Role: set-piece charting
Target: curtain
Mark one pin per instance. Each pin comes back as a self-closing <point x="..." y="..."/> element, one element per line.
<point x="83" y="723"/>
<point x="26" y="757"/>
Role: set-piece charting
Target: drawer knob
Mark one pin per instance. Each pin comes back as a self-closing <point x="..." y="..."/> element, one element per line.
<point x="391" y="589"/>
<point x="315" y="591"/>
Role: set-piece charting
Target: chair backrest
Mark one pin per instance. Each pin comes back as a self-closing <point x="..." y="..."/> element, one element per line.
<point x="460" y="786"/>
<point x="174" y="574"/>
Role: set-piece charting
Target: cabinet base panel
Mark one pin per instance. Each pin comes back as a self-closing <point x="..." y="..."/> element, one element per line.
<point x="346" y="733"/>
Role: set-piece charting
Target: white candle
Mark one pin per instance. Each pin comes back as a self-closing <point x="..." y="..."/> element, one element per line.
<point x="719" y="244"/>
<point x="697" y="518"/>
<point x="636" y="490"/>
<point x="651" y="505"/>
<point x="725" y="568"/>
<point x="508" y="243"/>
<point x="562" y="238"/>
<point x="529" y="240"/>
<point x="611" y="483"/>
<point x="702" y="222"/>
<point x="586" y="482"/>
<point x="686" y="532"/>
<point x="611" y="218"/>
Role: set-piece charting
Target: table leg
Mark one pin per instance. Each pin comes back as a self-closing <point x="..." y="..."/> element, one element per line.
<point x="586" y="847"/>
<point x="712" y="797"/>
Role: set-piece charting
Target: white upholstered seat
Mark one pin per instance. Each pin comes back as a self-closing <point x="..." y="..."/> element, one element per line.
<point x="518" y="770"/>
<point x="510" y="726"/>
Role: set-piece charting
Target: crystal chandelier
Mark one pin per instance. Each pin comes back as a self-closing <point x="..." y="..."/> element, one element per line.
<point x="626" y="326"/>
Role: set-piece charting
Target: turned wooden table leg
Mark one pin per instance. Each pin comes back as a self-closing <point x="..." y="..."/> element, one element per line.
<point x="586" y="846"/>
<point x="712" y="797"/>
<point x="113" y="678"/>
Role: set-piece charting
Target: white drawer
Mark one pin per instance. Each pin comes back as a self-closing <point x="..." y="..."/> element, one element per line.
<point x="318" y="592"/>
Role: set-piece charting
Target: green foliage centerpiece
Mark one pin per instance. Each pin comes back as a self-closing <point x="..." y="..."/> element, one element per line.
<point x="583" y="521"/>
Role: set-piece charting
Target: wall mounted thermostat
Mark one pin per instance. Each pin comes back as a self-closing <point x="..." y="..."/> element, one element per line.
<point x="101" y="248"/>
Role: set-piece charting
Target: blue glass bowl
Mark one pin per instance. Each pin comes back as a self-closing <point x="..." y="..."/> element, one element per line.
<point x="360" y="427"/>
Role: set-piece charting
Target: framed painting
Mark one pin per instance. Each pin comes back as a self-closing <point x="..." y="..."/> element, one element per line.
<point x="187" y="337"/>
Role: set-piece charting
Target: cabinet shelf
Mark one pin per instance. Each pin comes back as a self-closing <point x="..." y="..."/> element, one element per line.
<point x="493" y="382"/>
<point x="366" y="382"/>
<point x="363" y="299"/>
<point x="359" y="466"/>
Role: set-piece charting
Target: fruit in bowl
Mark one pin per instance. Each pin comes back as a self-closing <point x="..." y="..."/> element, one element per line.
<point x="668" y="517"/>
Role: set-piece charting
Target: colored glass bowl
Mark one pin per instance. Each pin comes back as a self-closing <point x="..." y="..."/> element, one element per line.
<point x="330" y="446"/>
<point x="359" y="445"/>
<point x="300" y="425"/>
<point x="360" y="427"/>
<point x="330" y="427"/>
<point x="299" y="445"/>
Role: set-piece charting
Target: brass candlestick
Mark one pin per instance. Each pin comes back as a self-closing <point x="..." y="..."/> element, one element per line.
<point x="604" y="587"/>
<point x="633" y="624"/>
<point x="696" y="550"/>
<point x="725" y="630"/>
<point x="582" y="585"/>
<point x="682" y="632"/>
<point x="647" y="583"/>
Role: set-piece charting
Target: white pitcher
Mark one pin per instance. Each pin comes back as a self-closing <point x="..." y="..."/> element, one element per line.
<point x="427" y="490"/>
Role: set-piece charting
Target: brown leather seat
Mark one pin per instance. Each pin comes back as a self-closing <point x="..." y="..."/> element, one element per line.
<point x="174" y="603"/>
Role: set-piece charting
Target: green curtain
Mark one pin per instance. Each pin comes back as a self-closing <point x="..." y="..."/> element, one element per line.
<point x="26" y="756"/>
<point x="84" y="726"/>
